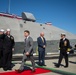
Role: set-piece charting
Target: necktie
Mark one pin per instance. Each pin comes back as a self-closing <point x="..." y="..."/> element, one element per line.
<point x="42" y="39"/>
<point x="25" y="39"/>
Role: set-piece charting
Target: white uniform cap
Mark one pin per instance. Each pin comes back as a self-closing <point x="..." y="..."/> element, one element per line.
<point x="63" y="34"/>
<point x="8" y="29"/>
<point x="2" y="30"/>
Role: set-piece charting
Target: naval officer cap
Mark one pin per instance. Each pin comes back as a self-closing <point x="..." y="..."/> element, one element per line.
<point x="1" y="30"/>
<point x="8" y="30"/>
<point x="63" y="34"/>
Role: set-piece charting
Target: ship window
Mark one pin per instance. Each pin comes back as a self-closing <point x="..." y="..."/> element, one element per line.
<point x="21" y="25"/>
<point x="24" y="21"/>
<point x="43" y="27"/>
<point x="40" y="24"/>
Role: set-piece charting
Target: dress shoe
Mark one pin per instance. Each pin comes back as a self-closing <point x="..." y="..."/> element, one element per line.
<point x="5" y="69"/>
<point x="57" y="66"/>
<point x="19" y="71"/>
<point x="65" y="66"/>
<point x="43" y="65"/>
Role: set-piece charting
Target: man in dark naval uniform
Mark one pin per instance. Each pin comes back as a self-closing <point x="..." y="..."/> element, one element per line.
<point x="64" y="50"/>
<point x="1" y="47"/>
<point x="8" y="48"/>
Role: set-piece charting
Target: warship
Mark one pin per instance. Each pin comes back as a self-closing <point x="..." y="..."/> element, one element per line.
<point x="27" y="21"/>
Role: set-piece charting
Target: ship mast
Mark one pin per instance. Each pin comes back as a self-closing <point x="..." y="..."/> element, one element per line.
<point x="8" y="6"/>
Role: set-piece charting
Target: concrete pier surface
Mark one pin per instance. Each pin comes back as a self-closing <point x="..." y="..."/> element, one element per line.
<point x="50" y="61"/>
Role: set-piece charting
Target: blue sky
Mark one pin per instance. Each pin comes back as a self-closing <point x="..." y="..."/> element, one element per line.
<point x="62" y="13"/>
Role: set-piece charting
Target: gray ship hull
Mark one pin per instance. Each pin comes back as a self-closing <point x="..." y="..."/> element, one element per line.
<point x="52" y="33"/>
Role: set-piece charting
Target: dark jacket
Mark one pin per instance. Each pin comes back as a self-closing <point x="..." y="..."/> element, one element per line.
<point x="9" y="43"/>
<point x="41" y="43"/>
<point x="62" y="45"/>
<point x="1" y="40"/>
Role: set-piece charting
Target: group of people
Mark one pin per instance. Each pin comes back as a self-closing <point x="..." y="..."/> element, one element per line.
<point x="28" y="51"/>
<point x="6" y="47"/>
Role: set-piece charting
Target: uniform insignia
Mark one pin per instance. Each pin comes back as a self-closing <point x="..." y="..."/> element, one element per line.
<point x="65" y="43"/>
<point x="12" y="38"/>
